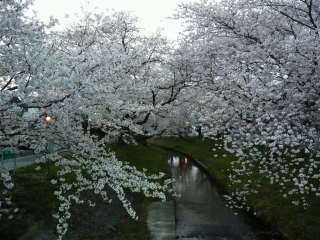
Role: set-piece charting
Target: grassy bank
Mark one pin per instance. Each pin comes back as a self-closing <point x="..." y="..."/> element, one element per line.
<point x="33" y="195"/>
<point x="295" y="222"/>
<point x="154" y="160"/>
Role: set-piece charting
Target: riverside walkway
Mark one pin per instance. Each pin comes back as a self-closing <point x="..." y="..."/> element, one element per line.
<point x="20" y="161"/>
<point x="161" y="220"/>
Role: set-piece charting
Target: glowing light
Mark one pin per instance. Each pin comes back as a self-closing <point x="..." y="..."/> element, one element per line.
<point x="48" y="119"/>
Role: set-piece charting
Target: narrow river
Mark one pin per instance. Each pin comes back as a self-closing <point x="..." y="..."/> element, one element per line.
<point x="201" y="211"/>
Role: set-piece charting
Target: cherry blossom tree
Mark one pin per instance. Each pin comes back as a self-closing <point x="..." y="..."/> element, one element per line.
<point x="16" y="71"/>
<point x="258" y="67"/>
<point x="152" y="80"/>
<point x="100" y="67"/>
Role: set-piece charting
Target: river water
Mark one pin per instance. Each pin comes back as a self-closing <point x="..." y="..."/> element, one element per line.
<point x="201" y="211"/>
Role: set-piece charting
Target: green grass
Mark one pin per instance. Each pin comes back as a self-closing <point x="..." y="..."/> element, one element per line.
<point x="294" y="222"/>
<point x="151" y="158"/>
<point x="33" y="195"/>
<point x="129" y="229"/>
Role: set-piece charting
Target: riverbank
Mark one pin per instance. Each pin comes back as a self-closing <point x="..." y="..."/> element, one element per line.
<point x="295" y="222"/>
<point x="33" y="195"/>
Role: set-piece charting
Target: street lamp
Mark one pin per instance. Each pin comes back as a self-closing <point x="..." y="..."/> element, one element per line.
<point x="48" y="119"/>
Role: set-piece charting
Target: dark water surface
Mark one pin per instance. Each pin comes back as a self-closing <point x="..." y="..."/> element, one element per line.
<point x="201" y="211"/>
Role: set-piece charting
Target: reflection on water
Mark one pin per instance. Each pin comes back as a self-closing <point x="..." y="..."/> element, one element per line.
<point x="201" y="211"/>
